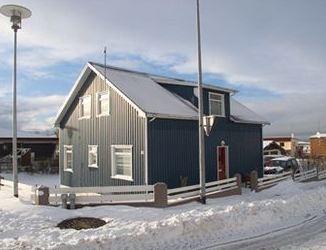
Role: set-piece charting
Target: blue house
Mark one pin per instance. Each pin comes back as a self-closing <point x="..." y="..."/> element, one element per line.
<point x="122" y="127"/>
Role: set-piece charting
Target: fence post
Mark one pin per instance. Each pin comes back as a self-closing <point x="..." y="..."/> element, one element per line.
<point x="42" y="196"/>
<point x="72" y="200"/>
<point x="64" y="199"/>
<point x="238" y="176"/>
<point x="1" y="178"/>
<point x="160" y="195"/>
<point x="253" y="180"/>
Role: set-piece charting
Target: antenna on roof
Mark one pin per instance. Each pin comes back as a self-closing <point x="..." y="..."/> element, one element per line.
<point x="104" y="62"/>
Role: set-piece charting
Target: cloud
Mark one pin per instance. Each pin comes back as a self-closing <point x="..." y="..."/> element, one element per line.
<point x="34" y="112"/>
<point x="278" y="46"/>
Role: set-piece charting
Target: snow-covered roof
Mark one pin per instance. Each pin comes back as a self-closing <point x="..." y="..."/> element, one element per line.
<point x="7" y="133"/>
<point x="241" y="113"/>
<point x="151" y="97"/>
<point x="266" y="143"/>
<point x="144" y="92"/>
<point x="318" y="135"/>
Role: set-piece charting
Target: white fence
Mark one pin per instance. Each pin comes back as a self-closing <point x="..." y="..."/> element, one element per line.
<point x="214" y="187"/>
<point x="103" y="195"/>
<point x="271" y="180"/>
<point x="321" y="174"/>
<point x="305" y="175"/>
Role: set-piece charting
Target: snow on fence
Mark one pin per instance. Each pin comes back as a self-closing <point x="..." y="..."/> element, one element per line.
<point x="225" y="187"/>
<point x="101" y="195"/>
<point x="271" y="180"/>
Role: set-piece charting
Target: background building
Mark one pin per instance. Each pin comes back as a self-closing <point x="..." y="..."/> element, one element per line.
<point x="318" y="145"/>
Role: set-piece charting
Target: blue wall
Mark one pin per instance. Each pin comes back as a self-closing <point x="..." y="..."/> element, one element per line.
<point x="173" y="145"/>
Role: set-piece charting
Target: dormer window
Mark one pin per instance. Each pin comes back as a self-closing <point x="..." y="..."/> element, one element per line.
<point x="85" y="106"/>
<point x="216" y="104"/>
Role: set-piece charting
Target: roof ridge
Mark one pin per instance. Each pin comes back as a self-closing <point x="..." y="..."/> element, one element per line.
<point x="155" y="76"/>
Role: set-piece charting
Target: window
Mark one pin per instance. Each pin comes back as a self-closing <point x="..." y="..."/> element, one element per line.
<point x="103" y="103"/>
<point x="216" y="104"/>
<point x="282" y="144"/>
<point x="68" y="158"/>
<point x="85" y="106"/>
<point x="92" y="156"/>
<point x="121" y="162"/>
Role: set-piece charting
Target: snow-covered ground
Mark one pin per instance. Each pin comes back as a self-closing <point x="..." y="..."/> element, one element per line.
<point x="188" y="226"/>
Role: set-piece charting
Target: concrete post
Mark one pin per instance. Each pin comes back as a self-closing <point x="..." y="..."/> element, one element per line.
<point x="64" y="199"/>
<point x="72" y="200"/>
<point x="42" y="196"/>
<point x="160" y="195"/>
<point x="253" y="180"/>
<point x="238" y="176"/>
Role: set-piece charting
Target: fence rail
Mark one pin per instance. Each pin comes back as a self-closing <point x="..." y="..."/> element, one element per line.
<point x="306" y="175"/>
<point x="272" y="180"/>
<point x="100" y="195"/>
<point x="212" y="188"/>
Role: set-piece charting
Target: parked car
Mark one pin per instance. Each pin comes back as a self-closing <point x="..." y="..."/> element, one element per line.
<point x="268" y="158"/>
<point x="281" y="164"/>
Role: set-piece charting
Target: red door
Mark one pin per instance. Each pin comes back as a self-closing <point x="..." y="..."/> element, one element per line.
<point x="222" y="161"/>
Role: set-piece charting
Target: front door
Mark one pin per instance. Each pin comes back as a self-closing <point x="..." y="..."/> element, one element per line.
<point x="222" y="163"/>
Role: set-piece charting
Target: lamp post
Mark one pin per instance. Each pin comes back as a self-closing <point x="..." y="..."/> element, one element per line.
<point x="16" y="14"/>
<point x="202" y="174"/>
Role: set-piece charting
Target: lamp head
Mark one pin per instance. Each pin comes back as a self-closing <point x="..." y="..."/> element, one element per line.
<point x="16" y="14"/>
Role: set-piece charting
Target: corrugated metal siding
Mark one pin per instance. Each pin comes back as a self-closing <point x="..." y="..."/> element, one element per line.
<point x="122" y="126"/>
<point x="173" y="150"/>
<point x="173" y="145"/>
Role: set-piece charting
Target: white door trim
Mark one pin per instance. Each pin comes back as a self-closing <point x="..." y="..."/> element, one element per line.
<point x="226" y="161"/>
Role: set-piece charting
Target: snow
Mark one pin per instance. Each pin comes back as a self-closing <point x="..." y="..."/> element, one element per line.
<point x="318" y="135"/>
<point x="157" y="99"/>
<point x="241" y="113"/>
<point x="186" y="226"/>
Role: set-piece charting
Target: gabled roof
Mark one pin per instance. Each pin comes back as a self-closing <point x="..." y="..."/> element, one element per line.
<point x="242" y="114"/>
<point x="151" y="99"/>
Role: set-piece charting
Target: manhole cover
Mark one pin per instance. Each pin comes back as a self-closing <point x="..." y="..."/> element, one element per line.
<point x="81" y="223"/>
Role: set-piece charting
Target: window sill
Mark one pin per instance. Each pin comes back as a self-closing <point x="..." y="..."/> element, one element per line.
<point x="122" y="177"/>
<point x="68" y="170"/>
<point x="84" y="117"/>
<point x="92" y="166"/>
<point x="102" y="115"/>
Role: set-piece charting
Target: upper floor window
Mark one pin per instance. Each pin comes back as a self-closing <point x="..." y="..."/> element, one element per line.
<point x="85" y="104"/>
<point x="216" y="104"/>
<point x="68" y="158"/>
<point x="121" y="162"/>
<point x="103" y="103"/>
<point x="92" y="156"/>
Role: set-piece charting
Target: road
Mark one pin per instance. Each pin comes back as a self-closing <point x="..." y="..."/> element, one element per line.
<point x="283" y="238"/>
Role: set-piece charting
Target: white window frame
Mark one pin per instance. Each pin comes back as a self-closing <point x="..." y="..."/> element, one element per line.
<point x="222" y="101"/>
<point x="81" y="116"/>
<point x="113" y="166"/>
<point x="98" y="94"/>
<point x="90" y="147"/>
<point x="65" y="162"/>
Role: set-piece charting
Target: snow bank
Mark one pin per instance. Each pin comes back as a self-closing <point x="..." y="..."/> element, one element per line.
<point x="188" y="226"/>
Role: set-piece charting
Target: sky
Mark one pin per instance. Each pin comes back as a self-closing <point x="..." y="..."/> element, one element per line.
<point x="273" y="52"/>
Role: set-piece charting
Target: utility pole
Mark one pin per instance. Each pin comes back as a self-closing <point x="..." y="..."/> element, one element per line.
<point x="201" y="135"/>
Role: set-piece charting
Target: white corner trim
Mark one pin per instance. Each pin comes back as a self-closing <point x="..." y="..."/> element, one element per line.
<point x="65" y="106"/>
<point x="127" y="99"/>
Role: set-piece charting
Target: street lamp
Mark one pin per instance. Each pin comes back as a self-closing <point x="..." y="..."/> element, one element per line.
<point x="202" y="174"/>
<point x="16" y="14"/>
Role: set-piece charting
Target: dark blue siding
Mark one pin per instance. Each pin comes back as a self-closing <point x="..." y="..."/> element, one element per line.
<point x="173" y="144"/>
<point x="173" y="150"/>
